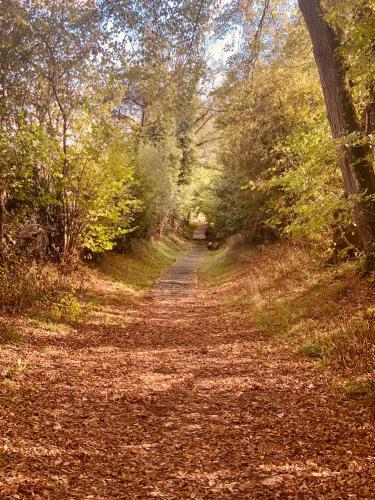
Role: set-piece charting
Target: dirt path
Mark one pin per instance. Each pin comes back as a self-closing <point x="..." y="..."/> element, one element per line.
<point x="180" y="280"/>
<point x="169" y="399"/>
<point x="200" y="232"/>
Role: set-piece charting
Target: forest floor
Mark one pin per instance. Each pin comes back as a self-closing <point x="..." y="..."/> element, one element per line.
<point x="166" y="396"/>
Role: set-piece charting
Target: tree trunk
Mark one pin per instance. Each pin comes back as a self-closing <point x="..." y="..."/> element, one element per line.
<point x="368" y="117"/>
<point x="2" y="196"/>
<point x="355" y="162"/>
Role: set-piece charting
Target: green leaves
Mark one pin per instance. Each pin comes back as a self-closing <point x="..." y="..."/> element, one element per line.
<point x="356" y="22"/>
<point x="280" y="166"/>
<point x="97" y="110"/>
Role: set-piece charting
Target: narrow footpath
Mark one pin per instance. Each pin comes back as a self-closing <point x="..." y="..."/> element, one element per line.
<point x="180" y="280"/>
<point x="177" y="401"/>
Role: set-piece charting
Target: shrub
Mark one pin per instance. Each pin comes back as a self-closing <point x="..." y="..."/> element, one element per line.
<point x="26" y="286"/>
<point x="68" y="309"/>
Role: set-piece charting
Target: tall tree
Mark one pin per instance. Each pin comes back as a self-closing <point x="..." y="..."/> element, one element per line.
<point x="356" y="165"/>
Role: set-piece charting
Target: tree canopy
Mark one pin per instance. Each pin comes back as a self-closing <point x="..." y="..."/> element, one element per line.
<point x="114" y="126"/>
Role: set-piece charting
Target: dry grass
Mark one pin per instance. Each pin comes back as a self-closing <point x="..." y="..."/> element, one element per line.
<point x="26" y="286"/>
<point x="43" y="298"/>
<point x="321" y="312"/>
<point x="137" y="270"/>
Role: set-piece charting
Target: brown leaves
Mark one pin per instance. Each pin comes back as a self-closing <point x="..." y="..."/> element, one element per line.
<point x="189" y="404"/>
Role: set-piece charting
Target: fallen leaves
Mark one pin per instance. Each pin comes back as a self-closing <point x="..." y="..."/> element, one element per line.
<point x="187" y="404"/>
<point x="273" y="481"/>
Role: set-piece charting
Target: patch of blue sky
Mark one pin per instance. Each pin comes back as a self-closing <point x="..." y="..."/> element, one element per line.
<point x="218" y="52"/>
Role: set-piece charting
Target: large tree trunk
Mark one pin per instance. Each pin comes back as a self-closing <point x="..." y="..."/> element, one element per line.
<point x="356" y="165"/>
<point x="2" y="196"/>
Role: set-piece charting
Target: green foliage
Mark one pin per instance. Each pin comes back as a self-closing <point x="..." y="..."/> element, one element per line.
<point x="356" y="22"/>
<point x="279" y="165"/>
<point x="96" y="119"/>
<point x="67" y="309"/>
<point x="156" y="174"/>
<point x="104" y="184"/>
<point x="309" y="193"/>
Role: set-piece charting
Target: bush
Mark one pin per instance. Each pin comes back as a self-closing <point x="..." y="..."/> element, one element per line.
<point x="68" y="309"/>
<point x="27" y="287"/>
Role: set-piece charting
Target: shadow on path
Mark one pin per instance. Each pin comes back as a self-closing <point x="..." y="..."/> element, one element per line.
<point x="178" y="402"/>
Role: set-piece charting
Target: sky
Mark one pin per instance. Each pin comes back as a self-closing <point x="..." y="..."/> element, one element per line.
<point x="218" y="53"/>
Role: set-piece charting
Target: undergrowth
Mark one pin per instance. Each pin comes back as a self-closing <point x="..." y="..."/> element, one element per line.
<point x="46" y="295"/>
<point x="10" y="334"/>
<point x="26" y="286"/>
<point x="324" y="313"/>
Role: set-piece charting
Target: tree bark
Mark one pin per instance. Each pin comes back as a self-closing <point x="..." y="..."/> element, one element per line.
<point x="2" y="196"/>
<point x="355" y="159"/>
<point x="368" y="117"/>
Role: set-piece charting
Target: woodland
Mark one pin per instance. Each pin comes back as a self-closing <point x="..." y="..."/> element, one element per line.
<point x="124" y="125"/>
<point x="116" y="128"/>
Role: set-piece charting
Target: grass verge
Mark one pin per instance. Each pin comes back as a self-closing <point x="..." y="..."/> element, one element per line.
<point x="137" y="270"/>
<point x="56" y="304"/>
<point x="325" y="313"/>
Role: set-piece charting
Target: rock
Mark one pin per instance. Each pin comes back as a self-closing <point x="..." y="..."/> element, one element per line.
<point x="213" y="245"/>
